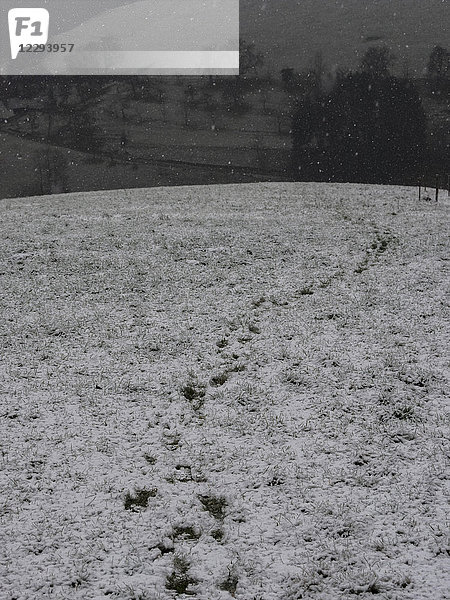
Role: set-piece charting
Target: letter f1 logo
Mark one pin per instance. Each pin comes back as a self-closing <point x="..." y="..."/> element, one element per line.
<point x="27" y="26"/>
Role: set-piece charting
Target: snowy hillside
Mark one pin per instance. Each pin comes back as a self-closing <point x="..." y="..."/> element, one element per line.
<point x="229" y="392"/>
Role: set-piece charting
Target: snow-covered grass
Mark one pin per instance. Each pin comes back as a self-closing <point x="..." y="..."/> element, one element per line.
<point x="232" y="391"/>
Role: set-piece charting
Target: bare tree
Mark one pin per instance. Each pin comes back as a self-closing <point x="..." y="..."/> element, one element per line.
<point x="438" y="64"/>
<point x="377" y="61"/>
<point x="211" y="107"/>
<point x="319" y="71"/>
<point x="51" y="167"/>
<point x="249" y="59"/>
<point x="438" y="69"/>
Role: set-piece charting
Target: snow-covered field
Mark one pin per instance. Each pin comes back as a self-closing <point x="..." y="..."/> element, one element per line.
<point x="225" y="392"/>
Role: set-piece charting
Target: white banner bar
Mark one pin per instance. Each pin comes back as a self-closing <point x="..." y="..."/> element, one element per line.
<point x="167" y="60"/>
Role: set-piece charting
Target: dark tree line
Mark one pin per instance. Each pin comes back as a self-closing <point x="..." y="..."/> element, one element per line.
<point x="438" y="70"/>
<point x="370" y="128"/>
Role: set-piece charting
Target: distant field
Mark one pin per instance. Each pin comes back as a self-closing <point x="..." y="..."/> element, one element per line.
<point x="21" y="177"/>
<point x="225" y="391"/>
<point x="292" y="31"/>
<point x="251" y="141"/>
